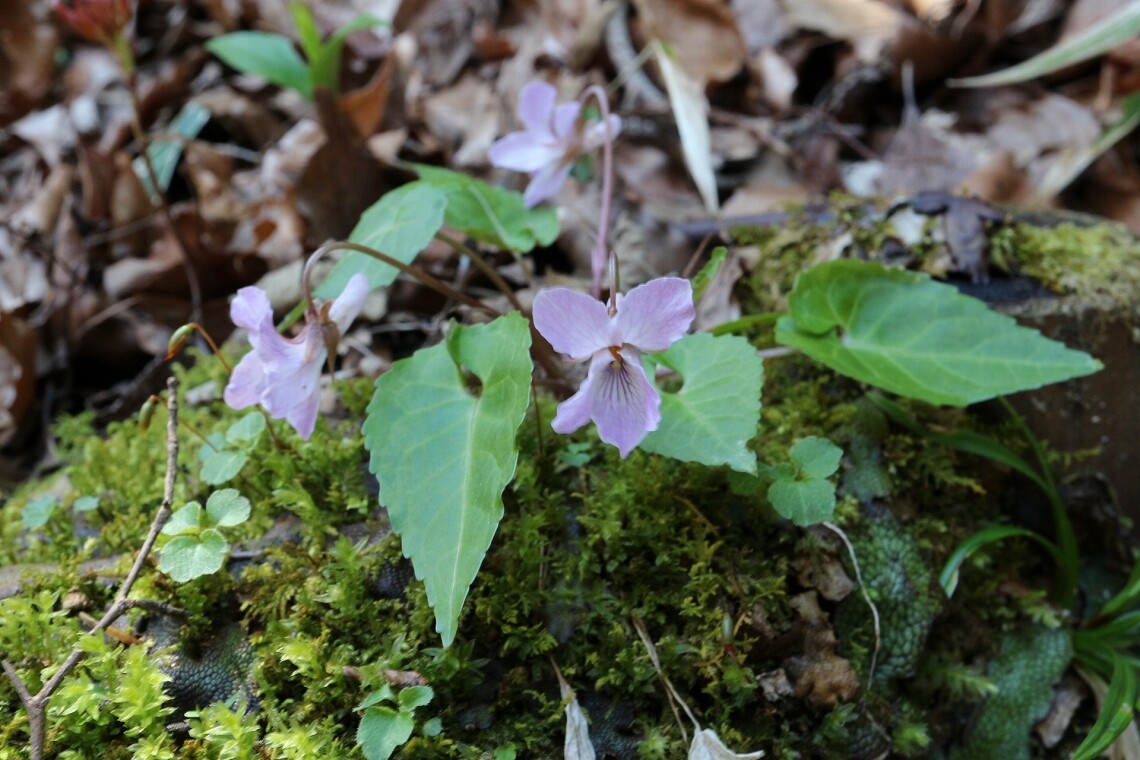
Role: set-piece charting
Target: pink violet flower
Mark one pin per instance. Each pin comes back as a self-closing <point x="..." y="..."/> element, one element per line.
<point x="284" y="374"/>
<point x="616" y="394"/>
<point x="553" y="140"/>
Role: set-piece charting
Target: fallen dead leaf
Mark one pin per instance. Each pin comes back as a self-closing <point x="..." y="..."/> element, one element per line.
<point x="690" y="110"/>
<point x="465" y="118"/>
<point x="28" y="46"/>
<point x="577" y="745"/>
<point x="702" y="34"/>
<point x="819" y="675"/>
<point x="708" y="746"/>
<point x="17" y="374"/>
<point x="868" y="25"/>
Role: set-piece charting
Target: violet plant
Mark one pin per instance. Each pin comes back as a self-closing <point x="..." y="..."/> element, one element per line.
<point x="442" y="483"/>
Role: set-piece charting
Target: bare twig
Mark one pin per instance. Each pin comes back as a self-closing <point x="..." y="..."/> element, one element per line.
<point x="36" y="705"/>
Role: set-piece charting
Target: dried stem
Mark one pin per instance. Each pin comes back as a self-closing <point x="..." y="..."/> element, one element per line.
<point x="36" y="705"/>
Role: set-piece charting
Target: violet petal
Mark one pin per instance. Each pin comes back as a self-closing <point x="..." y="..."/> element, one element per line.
<point x="657" y="313"/>
<point x="348" y="304"/>
<point x="623" y="403"/>
<point x="536" y="105"/>
<point x="546" y="183"/>
<point x="572" y="322"/>
<point x="523" y="152"/>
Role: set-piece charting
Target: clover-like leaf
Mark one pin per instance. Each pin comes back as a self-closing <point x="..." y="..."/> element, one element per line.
<point x="716" y="412"/>
<point x="221" y="466"/>
<point x="187" y="557"/>
<point x="86" y="504"/>
<point x="815" y="457"/>
<point x="38" y="511"/>
<point x="226" y="508"/>
<point x="804" y="502"/>
<point x="443" y="455"/>
<point x="903" y="332"/>
<point x="246" y="430"/>
<point x="382" y="730"/>
<point x="186" y="519"/>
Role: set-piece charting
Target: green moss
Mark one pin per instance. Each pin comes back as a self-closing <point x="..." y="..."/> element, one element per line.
<point x="1024" y="672"/>
<point x="1096" y="262"/>
<point x="588" y="544"/>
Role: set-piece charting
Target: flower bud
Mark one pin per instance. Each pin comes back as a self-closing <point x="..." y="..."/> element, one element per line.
<point x="102" y="21"/>
<point x="178" y="340"/>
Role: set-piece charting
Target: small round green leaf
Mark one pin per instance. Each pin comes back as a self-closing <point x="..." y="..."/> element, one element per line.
<point x="815" y="457"/>
<point x="185" y="558"/>
<point x="804" y="502"/>
<point x="38" y="511"/>
<point x="415" y="696"/>
<point x="86" y="504"/>
<point x="221" y="466"/>
<point x="226" y="508"/>
<point x="247" y="429"/>
<point x="382" y="730"/>
<point x="186" y="519"/>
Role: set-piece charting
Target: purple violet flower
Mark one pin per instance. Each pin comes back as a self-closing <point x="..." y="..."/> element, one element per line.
<point x="553" y="140"/>
<point x="283" y="374"/>
<point x="616" y="394"/>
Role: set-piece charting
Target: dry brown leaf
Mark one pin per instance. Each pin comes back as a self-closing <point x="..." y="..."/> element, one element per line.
<point x="48" y="131"/>
<point x="465" y="118"/>
<point x="38" y="216"/>
<point x="778" y="78"/>
<point x="27" y="57"/>
<point x="868" y="25"/>
<point x="702" y="33"/>
<point x="342" y="178"/>
<point x="365" y="106"/>
<point x="819" y="675"/>
<point x="17" y="373"/>
<point x="762" y="23"/>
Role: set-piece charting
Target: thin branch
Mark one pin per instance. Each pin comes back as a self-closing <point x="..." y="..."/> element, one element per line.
<point x="36" y="706"/>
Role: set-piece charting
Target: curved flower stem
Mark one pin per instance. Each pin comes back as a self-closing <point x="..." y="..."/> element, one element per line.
<point x="425" y="278"/>
<point x="601" y="251"/>
<point x="482" y="265"/>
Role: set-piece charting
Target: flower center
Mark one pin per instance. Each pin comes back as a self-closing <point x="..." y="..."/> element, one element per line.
<point x="617" y="357"/>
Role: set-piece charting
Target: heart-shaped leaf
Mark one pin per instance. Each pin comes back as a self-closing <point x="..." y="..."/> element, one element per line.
<point x="903" y="332"/>
<point x="716" y="412"/>
<point x="443" y="454"/>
